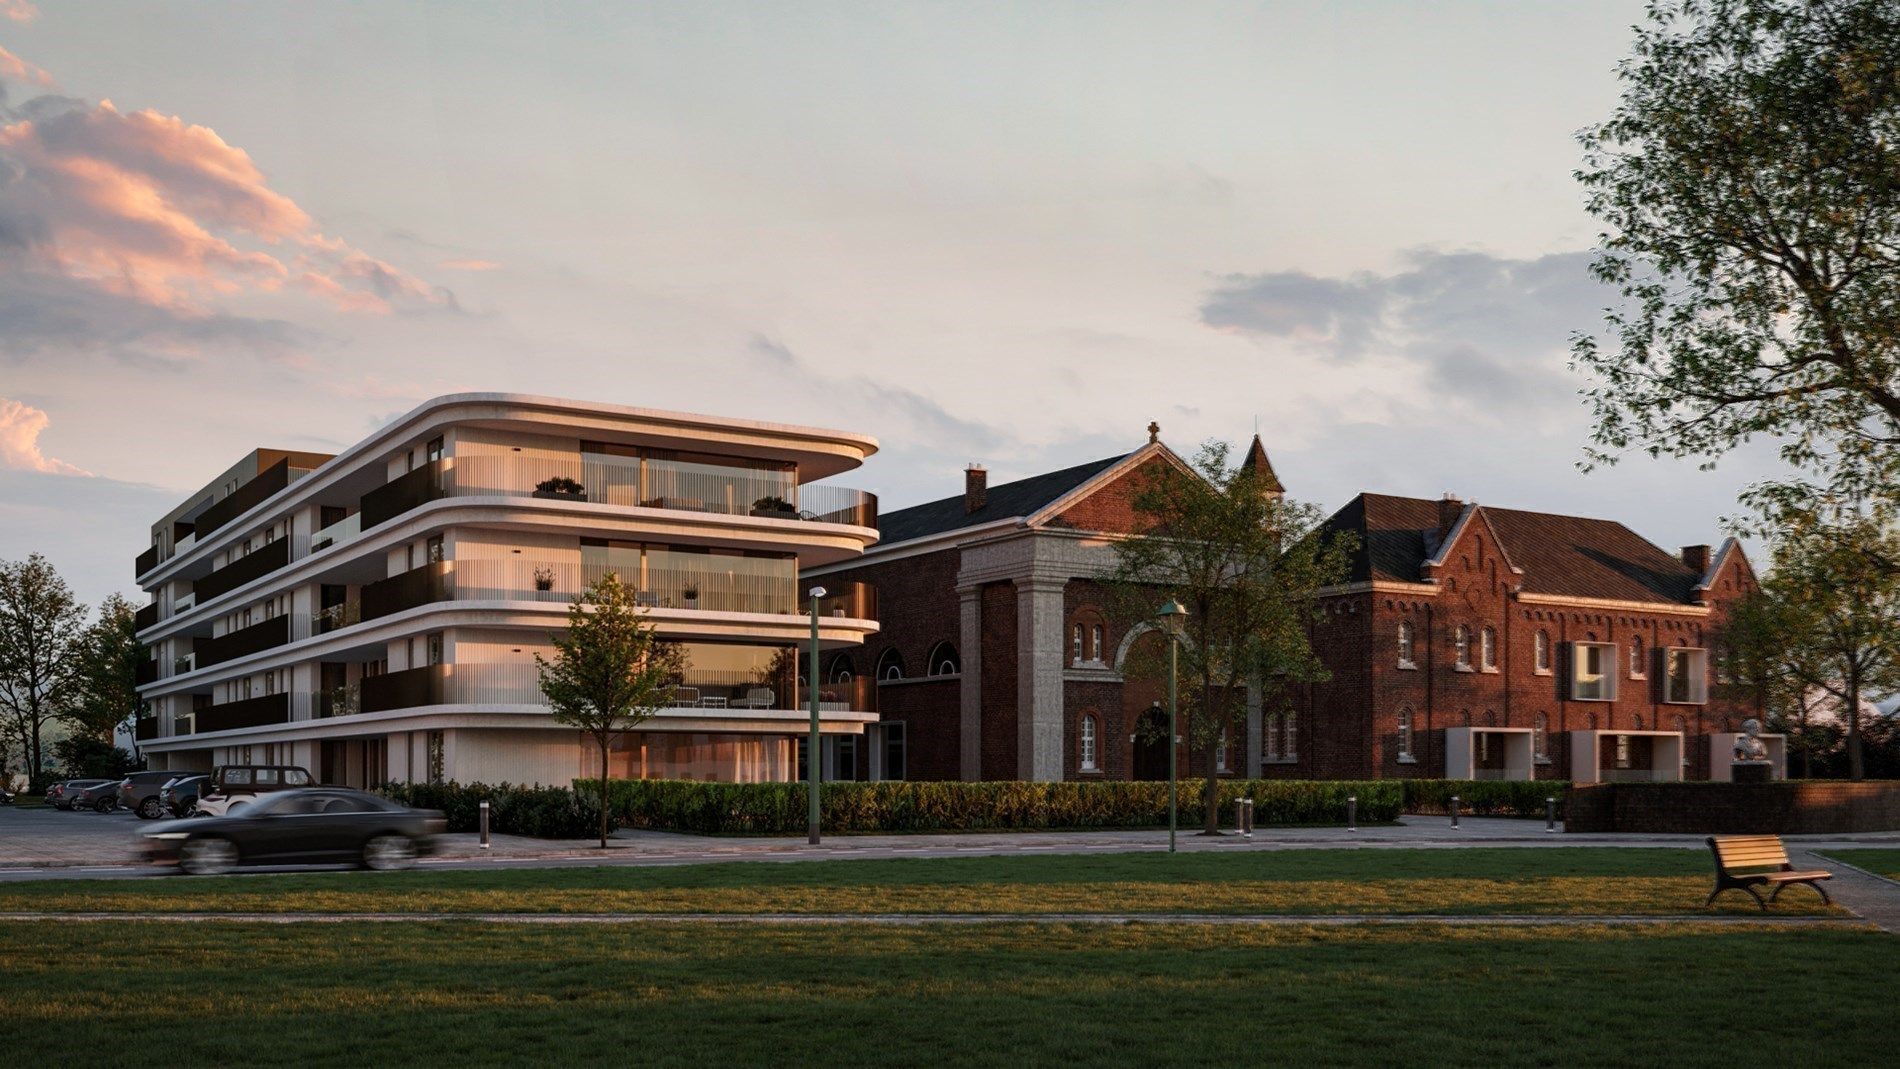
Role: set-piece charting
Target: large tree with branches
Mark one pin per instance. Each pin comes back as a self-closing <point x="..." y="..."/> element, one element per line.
<point x="1749" y="183"/>
<point x="1246" y="563"/>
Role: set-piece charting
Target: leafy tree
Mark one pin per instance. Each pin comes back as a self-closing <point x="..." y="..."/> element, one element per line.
<point x="1766" y="652"/>
<point x="610" y="671"/>
<point x="40" y="628"/>
<point x="89" y="756"/>
<point x="1829" y="614"/>
<point x="105" y="684"/>
<point x="1749" y="183"/>
<point x="1246" y="564"/>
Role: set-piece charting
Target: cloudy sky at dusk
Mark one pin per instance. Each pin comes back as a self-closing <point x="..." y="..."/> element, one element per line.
<point x="1012" y="234"/>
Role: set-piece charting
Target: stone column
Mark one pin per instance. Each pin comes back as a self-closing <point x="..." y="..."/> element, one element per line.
<point x="970" y="689"/>
<point x="1251" y="765"/>
<point x="1039" y="727"/>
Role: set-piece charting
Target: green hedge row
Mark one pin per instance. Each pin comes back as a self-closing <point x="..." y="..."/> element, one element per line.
<point x="1484" y="797"/>
<point x="907" y="806"/>
<point x="540" y="812"/>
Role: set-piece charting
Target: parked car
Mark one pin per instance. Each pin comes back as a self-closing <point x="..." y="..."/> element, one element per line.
<point x="300" y="827"/>
<point x="101" y="797"/>
<point x="180" y="796"/>
<point x="234" y="787"/>
<point x="139" y="793"/>
<point x="6" y="796"/>
<point x="61" y="794"/>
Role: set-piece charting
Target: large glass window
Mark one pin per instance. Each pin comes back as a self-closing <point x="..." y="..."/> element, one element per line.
<point x="1088" y="744"/>
<point x="1686" y="676"/>
<point x="1593" y="671"/>
<point x="723" y="580"/>
<point x="696" y="482"/>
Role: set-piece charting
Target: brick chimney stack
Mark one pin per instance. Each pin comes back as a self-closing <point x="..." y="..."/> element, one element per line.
<point x="1697" y="558"/>
<point x="976" y="487"/>
<point x="1449" y="509"/>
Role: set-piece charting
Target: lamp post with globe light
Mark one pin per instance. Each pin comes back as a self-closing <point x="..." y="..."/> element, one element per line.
<point x="811" y="747"/>
<point x="1174" y="621"/>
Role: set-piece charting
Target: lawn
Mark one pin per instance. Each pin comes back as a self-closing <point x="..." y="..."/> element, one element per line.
<point x="1552" y="881"/>
<point x="1881" y="862"/>
<point x="472" y="994"/>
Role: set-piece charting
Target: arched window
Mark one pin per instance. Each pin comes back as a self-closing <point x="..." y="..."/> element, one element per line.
<point x="1077" y="651"/>
<point x="944" y="660"/>
<point x="1540" y="737"/>
<point x="1088" y="743"/>
<point x="1488" y="649"/>
<point x="842" y="670"/>
<point x="1638" y="721"/>
<point x="1292" y="748"/>
<point x="1638" y="666"/>
<point x="1096" y="651"/>
<point x="1542" y="646"/>
<point x="890" y="665"/>
<point x="1405" y="645"/>
<point x="1461" y="647"/>
<point x="1085" y="637"/>
<point x="1405" y="734"/>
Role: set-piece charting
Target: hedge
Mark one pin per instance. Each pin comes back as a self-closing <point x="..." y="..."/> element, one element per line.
<point x="911" y="806"/>
<point x="1484" y="797"/>
<point x="541" y="812"/>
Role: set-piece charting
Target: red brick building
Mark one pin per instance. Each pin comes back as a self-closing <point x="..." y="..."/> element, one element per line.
<point x="1468" y="640"/>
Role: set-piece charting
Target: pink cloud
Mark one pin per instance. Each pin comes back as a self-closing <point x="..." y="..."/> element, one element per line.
<point x="168" y="213"/>
<point x="20" y="427"/>
<point x="18" y="10"/>
<point x="472" y="265"/>
<point x="15" y="69"/>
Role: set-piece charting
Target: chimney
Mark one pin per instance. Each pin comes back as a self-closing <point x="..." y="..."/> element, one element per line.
<point x="976" y="487"/>
<point x="1697" y="558"/>
<point x="1449" y="509"/>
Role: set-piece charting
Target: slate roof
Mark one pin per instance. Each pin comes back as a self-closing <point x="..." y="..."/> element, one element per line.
<point x="1002" y="502"/>
<point x="1563" y="555"/>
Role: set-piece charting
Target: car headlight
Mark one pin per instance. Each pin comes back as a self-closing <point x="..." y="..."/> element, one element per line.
<point x="168" y="835"/>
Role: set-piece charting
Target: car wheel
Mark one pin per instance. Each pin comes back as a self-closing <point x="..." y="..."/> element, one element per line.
<point x="103" y="805"/>
<point x="191" y="810"/>
<point x="235" y="808"/>
<point x="386" y="853"/>
<point x="209" y="856"/>
<point x="151" y="809"/>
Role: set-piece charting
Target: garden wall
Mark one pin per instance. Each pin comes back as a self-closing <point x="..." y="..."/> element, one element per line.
<point x="1803" y="807"/>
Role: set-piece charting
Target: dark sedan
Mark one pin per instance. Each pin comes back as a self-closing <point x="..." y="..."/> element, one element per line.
<point x="61" y="794"/>
<point x="101" y="797"/>
<point x="319" y="825"/>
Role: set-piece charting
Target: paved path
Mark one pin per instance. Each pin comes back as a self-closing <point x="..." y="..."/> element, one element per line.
<point x="1875" y="898"/>
<point x="913" y="919"/>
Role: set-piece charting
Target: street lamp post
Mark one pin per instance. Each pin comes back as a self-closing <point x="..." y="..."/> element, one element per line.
<point x="1173" y="619"/>
<point x="811" y="747"/>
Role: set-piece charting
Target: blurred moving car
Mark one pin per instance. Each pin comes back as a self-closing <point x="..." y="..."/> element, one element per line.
<point x="101" y="797"/>
<point x="60" y="795"/>
<point x="300" y="827"/>
<point x="236" y="787"/>
<point x="139" y="793"/>
<point x="180" y="796"/>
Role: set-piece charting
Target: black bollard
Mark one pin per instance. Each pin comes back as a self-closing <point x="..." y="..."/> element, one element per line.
<point x="1550" y="814"/>
<point x="1352" y="812"/>
<point x="1454" y="811"/>
<point x="484" y="824"/>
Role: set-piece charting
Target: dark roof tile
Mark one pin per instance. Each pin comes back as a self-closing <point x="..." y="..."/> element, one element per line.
<point x="1004" y="501"/>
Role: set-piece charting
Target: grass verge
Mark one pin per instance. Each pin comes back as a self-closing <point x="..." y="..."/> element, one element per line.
<point x="1880" y="861"/>
<point x="474" y="995"/>
<point x="1468" y="881"/>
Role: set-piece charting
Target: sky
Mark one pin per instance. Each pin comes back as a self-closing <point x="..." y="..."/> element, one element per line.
<point x="1006" y="234"/>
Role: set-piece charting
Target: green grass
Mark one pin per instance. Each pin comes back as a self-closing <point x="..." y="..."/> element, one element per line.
<point x="1884" y="862"/>
<point x="1469" y="881"/>
<point x="467" y="994"/>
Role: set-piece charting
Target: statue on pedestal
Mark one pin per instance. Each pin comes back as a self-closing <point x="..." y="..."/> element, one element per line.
<point x="1752" y="764"/>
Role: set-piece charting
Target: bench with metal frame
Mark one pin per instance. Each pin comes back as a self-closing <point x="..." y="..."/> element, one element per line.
<point x="1745" y="862"/>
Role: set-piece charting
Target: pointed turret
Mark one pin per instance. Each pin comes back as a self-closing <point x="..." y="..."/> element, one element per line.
<point x="1256" y="461"/>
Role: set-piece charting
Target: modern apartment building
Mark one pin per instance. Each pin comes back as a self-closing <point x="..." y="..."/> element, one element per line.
<point x="374" y="615"/>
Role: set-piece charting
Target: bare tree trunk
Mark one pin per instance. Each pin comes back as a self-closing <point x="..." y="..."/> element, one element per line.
<point x="603" y="791"/>
<point x="1854" y="768"/>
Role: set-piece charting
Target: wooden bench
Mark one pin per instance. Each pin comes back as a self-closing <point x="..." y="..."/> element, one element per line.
<point x="1745" y="862"/>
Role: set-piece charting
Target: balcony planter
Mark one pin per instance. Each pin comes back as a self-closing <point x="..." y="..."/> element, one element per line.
<point x="544" y="579"/>
<point x="552" y="495"/>
<point x="690" y="597"/>
<point x="774" y="508"/>
<point x="560" y="488"/>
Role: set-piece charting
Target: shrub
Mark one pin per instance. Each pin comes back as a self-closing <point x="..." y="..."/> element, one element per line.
<point x="541" y="812"/>
<point x="1484" y="797"/>
<point x="907" y="806"/>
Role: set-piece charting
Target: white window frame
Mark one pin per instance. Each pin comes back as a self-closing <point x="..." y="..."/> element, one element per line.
<point x="1488" y="649"/>
<point x="1089" y="759"/>
<point x="1697" y="660"/>
<point x="1408" y="638"/>
<point x="1461" y="648"/>
<point x="1605" y="675"/>
<point x="1540" y="656"/>
<point x="1405" y="737"/>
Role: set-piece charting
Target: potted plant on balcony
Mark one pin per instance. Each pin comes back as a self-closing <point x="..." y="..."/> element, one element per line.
<point x="775" y="508"/>
<point x="544" y="579"/>
<point x="690" y="595"/>
<point x="560" y="488"/>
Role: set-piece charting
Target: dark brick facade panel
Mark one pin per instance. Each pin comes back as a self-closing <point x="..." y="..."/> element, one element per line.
<point x="931" y="712"/>
<point x="999" y="682"/>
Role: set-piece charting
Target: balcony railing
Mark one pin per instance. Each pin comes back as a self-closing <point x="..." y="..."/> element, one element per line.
<point x="855" y="601"/>
<point x="415" y="587"/>
<point x="247" y="713"/>
<point x="332" y="617"/>
<point x="337" y="701"/>
<point x="145" y="617"/>
<point x="254" y="565"/>
<point x="145" y="727"/>
<point x="265" y="635"/>
<point x="402" y="690"/>
<point x="343" y="530"/>
<point x="246" y="497"/>
<point x="145" y="671"/>
<point x="400" y="494"/>
<point x="146" y="562"/>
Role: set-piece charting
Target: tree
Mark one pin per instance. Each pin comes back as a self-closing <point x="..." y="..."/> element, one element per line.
<point x="610" y="671"/>
<point x="105" y="684"/>
<point x="40" y="626"/>
<point x="1765" y="652"/>
<point x="1246" y="563"/>
<point x="1749" y="181"/>
<point x="1829" y="614"/>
